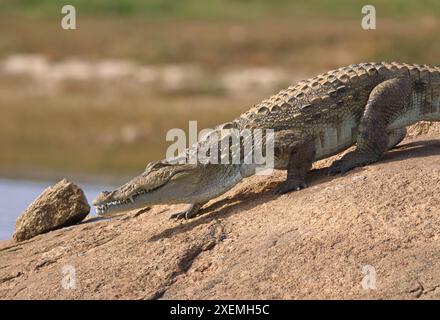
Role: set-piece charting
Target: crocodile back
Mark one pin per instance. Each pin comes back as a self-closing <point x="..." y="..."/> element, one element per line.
<point x="329" y="98"/>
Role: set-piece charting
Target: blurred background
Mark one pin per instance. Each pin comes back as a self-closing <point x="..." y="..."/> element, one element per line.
<point x="94" y="104"/>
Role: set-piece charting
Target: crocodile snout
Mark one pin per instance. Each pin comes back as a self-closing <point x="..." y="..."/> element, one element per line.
<point x="101" y="197"/>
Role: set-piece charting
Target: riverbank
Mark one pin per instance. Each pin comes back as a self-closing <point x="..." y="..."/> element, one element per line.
<point x="320" y="242"/>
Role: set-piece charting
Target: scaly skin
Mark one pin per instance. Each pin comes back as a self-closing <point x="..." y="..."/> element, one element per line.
<point x="367" y="104"/>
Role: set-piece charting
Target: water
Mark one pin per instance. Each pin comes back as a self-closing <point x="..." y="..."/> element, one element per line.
<point x="15" y="196"/>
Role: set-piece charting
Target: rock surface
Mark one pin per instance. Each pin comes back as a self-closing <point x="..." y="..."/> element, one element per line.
<point x="61" y="205"/>
<point x="382" y="220"/>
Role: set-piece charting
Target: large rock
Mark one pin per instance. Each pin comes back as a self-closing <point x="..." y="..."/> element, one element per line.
<point x="58" y="206"/>
<point x="372" y="233"/>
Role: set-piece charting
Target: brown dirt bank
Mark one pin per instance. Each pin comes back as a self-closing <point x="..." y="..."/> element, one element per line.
<point x="252" y="244"/>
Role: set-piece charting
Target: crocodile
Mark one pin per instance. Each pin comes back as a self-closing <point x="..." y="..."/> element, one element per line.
<point x="367" y="105"/>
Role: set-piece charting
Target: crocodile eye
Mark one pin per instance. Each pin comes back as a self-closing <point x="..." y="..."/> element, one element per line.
<point x="140" y="192"/>
<point x="179" y="175"/>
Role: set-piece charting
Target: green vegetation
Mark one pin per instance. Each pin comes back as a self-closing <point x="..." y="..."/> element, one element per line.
<point x="224" y="9"/>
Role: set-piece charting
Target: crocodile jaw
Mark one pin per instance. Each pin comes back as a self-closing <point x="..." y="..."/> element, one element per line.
<point x="116" y="206"/>
<point x="113" y="208"/>
<point x="118" y="200"/>
<point x="197" y="185"/>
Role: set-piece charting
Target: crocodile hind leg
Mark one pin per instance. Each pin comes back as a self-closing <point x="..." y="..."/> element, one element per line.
<point x="301" y="154"/>
<point x="387" y="100"/>
<point x="395" y="137"/>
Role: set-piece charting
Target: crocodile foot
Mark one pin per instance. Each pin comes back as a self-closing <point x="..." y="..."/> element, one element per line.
<point x="289" y="185"/>
<point x="350" y="161"/>
<point x="179" y="215"/>
<point x="191" y="212"/>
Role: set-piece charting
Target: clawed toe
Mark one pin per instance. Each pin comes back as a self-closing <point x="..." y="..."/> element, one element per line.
<point x="191" y="212"/>
<point x="350" y="162"/>
<point x="288" y="186"/>
<point x="339" y="168"/>
<point x="178" y="216"/>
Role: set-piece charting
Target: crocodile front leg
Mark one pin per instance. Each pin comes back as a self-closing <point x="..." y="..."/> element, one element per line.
<point x="395" y="137"/>
<point x="387" y="100"/>
<point x="301" y="154"/>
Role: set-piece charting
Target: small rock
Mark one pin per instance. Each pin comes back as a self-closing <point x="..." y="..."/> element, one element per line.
<point x="59" y="206"/>
<point x="357" y="178"/>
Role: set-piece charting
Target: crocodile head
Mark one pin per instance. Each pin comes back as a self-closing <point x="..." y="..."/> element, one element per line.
<point x="166" y="183"/>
